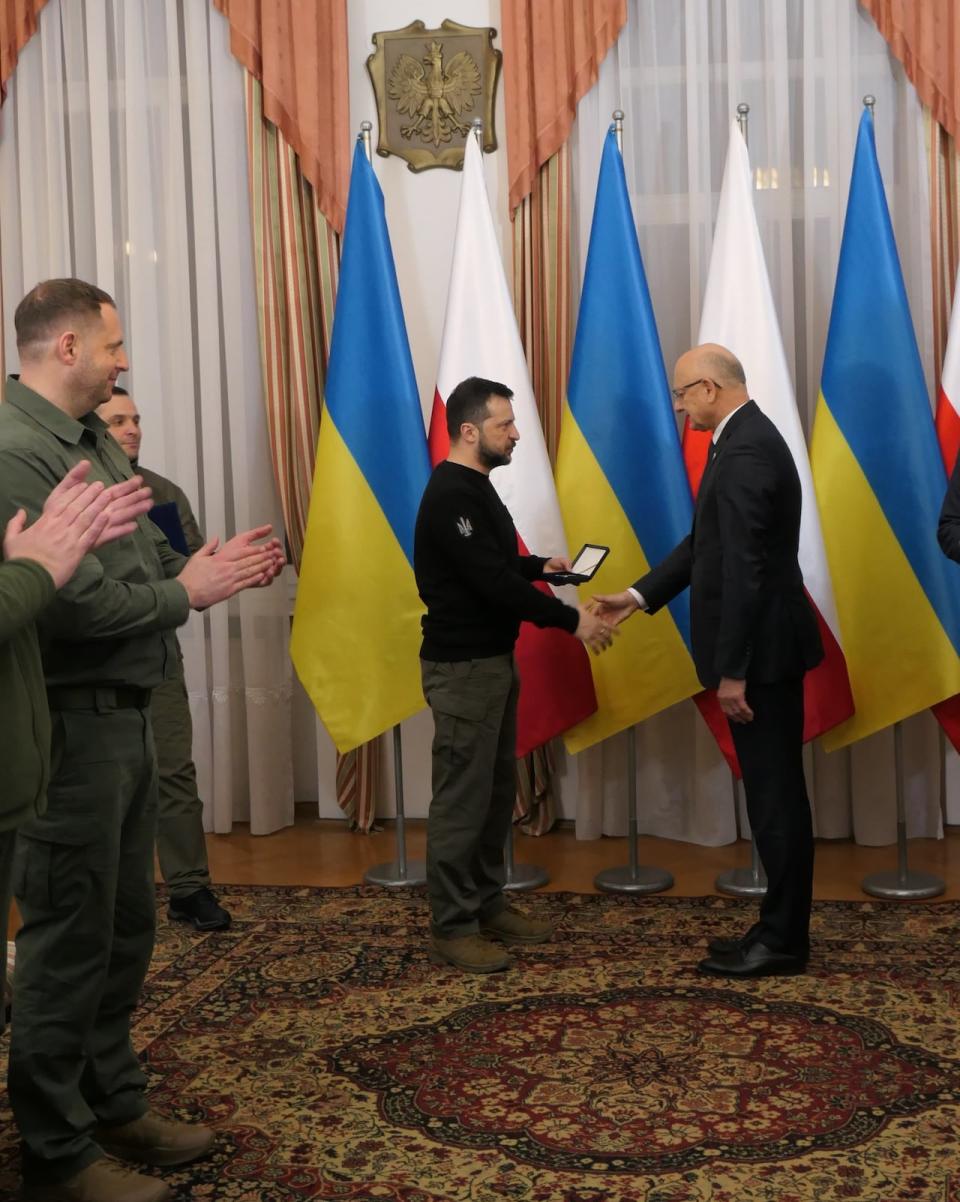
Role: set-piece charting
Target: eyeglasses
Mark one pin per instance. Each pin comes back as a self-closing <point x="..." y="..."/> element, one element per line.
<point x="678" y="392"/>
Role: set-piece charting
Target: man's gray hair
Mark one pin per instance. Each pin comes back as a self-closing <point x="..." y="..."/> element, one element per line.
<point x="724" y="367"/>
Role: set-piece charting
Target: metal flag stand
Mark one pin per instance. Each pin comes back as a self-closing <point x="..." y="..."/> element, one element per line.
<point x="634" y="877"/>
<point x="742" y="882"/>
<point x="752" y="881"/>
<point x="903" y="883"/>
<point x="400" y="872"/>
<point x="520" y="877"/>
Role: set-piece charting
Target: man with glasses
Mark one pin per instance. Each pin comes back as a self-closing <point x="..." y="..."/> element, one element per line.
<point x="754" y="635"/>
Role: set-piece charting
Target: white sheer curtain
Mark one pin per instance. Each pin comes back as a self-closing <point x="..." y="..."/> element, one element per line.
<point x="679" y="70"/>
<point x="123" y="162"/>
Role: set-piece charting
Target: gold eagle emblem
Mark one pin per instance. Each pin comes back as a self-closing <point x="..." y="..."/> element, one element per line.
<point x="430" y="85"/>
<point x="432" y="95"/>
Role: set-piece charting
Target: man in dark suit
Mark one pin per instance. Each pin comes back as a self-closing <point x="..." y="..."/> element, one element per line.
<point x="754" y="635"/>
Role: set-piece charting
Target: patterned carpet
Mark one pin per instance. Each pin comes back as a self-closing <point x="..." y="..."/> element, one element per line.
<point x="338" y="1064"/>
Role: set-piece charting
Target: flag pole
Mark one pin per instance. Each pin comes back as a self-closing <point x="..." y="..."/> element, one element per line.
<point x="516" y="877"/>
<point x="742" y="882"/>
<point x="401" y="871"/>
<point x="364" y="136"/>
<point x="635" y="877"/>
<point x="904" y="883"/>
<point x="752" y="881"/>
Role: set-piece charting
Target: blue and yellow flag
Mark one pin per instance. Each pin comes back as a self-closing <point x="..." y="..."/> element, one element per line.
<point x="356" y="626"/>
<point x="620" y="473"/>
<point x="880" y="479"/>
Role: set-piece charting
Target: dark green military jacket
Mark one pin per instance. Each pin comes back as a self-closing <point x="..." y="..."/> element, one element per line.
<point x="165" y="490"/>
<point x="113" y="624"/>
<point x="25" y="590"/>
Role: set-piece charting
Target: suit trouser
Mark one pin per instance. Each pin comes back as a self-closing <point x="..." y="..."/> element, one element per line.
<point x="83" y="879"/>
<point x="474" y="706"/>
<point x="181" y="847"/>
<point x="8" y="841"/>
<point x="770" y="750"/>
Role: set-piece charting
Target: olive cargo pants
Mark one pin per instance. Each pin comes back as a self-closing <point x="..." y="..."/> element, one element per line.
<point x="83" y="879"/>
<point x="474" y="706"/>
<point x="181" y="847"/>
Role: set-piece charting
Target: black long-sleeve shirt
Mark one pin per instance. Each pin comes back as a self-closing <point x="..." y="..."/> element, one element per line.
<point x="476" y="585"/>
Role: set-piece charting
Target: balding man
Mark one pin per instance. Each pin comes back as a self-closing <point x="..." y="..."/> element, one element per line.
<point x="754" y="635"/>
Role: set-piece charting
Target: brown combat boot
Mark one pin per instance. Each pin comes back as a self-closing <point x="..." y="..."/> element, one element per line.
<point x="511" y="926"/>
<point x="156" y="1140"/>
<point x="470" y="953"/>
<point x="102" y="1181"/>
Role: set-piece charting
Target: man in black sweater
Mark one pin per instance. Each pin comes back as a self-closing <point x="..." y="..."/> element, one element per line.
<point x="477" y="588"/>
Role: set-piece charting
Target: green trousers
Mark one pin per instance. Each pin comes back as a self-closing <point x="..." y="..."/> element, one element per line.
<point x="8" y="841"/>
<point x="474" y="706"/>
<point x="181" y="847"/>
<point x="83" y="880"/>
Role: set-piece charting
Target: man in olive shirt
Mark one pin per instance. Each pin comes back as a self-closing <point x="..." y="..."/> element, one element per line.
<point x="36" y="562"/>
<point x="181" y="847"/>
<point x="83" y="872"/>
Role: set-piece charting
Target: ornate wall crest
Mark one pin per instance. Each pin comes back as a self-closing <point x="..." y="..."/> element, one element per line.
<point x="430" y="84"/>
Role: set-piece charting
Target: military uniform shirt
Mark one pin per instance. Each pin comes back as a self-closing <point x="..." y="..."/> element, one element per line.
<point x="164" y="491"/>
<point x="113" y="623"/>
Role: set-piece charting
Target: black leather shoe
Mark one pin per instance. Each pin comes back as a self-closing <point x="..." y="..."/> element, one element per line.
<point x="757" y="960"/>
<point x="201" y="910"/>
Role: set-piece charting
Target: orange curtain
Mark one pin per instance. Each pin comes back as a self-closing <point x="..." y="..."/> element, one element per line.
<point x="18" y="24"/>
<point x="298" y="52"/>
<point x="542" y="288"/>
<point x="925" y="36"/>
<point x="552" y="51"/>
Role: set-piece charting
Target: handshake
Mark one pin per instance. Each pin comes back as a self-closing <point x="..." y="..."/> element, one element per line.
<point x="601" y="616"/>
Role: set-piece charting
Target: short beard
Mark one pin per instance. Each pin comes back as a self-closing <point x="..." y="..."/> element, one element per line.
<point x="489" y="458"/>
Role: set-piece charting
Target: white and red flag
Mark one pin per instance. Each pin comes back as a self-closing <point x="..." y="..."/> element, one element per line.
<point x="948" y="435"/>
<point x="480" y="338"/>
<point x="739" y="313"/>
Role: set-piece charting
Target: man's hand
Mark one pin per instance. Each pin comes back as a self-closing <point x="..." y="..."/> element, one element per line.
<point x="75" y="519"/>
<point x="559" y="563"/>
<point x="213" y="575"/>
<point x="125" y="503"/>
<point x="614" y="608"/>
<point x="732" y="695"/>
<point x="594" y="631"/>
<point x="241" y="546"/>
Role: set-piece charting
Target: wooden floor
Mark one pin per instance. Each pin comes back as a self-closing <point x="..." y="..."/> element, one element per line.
<point x="318" y="852"/>
<point x="315" y="852"/>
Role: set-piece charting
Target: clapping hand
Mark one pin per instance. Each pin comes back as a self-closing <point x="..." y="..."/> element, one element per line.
<point x="77" y="518"/>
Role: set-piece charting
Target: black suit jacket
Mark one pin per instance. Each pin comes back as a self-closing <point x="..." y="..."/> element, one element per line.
<point x="749" y="615"/>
